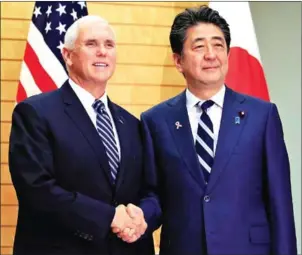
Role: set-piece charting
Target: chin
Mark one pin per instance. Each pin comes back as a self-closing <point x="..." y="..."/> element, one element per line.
<point x="213" y="77"/>
<point x="102" y="78"/>
<point x="102" y="81"/>
<point x="211" y="82"/>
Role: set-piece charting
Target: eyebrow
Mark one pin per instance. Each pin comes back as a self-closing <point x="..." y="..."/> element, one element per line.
<point x="110" y="41"/>
<point x="95" y="40"/>
<point x="90" y="40"/>
<point x="198" y="39"/>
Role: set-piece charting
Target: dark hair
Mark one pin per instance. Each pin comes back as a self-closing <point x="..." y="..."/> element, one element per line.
<point x="191" y="17"/>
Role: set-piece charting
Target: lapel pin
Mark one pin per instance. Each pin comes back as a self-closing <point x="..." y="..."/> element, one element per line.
<point x="178" y="125"/>
<point x="241" y="114"/>
<point x="121" y="121"/>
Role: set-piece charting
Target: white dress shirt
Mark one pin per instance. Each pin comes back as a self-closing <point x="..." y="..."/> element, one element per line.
<point x="87" y="101"/>
<point x="214" y="112"/>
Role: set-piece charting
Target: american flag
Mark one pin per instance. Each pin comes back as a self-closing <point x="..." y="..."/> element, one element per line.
<point x="43" y="67"/>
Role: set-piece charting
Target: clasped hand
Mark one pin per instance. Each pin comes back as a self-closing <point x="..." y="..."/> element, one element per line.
<point x="129" y="223"/>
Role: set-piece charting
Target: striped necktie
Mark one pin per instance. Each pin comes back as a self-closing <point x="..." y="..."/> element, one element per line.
<point x="105" y="131"/>
<point x="205" y="140"/>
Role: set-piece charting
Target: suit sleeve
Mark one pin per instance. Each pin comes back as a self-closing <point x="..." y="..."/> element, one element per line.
<point x="31" y="164"/>
<point x="280" y="204"/>
<point x="150" y="203"/>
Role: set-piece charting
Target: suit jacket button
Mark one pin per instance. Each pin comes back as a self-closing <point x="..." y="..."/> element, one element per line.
<point x="207" y="198"/>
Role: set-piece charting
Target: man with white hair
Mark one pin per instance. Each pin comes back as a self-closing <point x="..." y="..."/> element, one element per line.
<point x="76" y="159"/>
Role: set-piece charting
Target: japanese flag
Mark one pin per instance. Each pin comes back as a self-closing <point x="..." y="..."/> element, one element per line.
<point x="245" y="73"/>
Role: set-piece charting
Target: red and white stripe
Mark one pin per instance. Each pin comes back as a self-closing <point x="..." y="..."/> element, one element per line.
<point x="41" y="71"/>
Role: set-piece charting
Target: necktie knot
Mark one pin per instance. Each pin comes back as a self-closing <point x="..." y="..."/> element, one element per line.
<point x="205" y="105"/>
<point x="98" y="106"/>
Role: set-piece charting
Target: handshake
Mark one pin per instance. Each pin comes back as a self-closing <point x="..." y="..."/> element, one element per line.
<point x="129" y="223"/>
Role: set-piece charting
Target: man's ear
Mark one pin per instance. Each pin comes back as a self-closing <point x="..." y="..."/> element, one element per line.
<point x="66" y="56"/>
<point x="177" y="61"/>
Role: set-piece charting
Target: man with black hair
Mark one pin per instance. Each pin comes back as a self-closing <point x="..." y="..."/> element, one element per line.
<point x="215" y="158"/>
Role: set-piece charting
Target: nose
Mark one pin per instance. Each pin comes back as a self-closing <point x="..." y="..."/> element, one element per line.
<point x="210" y="53"/>
<point x="101" y="51"/>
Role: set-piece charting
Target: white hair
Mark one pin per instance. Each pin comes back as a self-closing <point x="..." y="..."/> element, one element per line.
<point x="73" y="31"/>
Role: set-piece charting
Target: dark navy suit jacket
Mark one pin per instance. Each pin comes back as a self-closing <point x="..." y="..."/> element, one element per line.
<point x="246" y="208"/>
<point x="61" y="175"/>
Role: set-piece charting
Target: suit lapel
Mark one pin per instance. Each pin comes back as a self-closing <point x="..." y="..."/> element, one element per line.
<point x="229" y="133"/>
<point x="75" y="110"/>
<point x="183" y="138"/>
<point x="121" y="127"/>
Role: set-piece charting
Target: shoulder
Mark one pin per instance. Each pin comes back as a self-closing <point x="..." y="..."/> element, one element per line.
<point x="253" y="102"/>
<point x="164" y="107"/>
<point x="41" y="102"/>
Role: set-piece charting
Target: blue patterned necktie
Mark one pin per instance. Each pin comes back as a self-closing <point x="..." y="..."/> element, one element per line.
<point x="205" y="140"/>
<point x="105" y="130"/>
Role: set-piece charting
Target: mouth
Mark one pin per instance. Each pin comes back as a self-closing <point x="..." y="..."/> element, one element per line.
<point x="100" y="64"/>
<point x="210" y="68"/>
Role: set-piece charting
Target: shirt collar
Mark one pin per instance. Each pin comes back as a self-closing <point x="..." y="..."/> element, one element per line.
<point x="85" y="97"/>
<point x="218" y="98"/>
